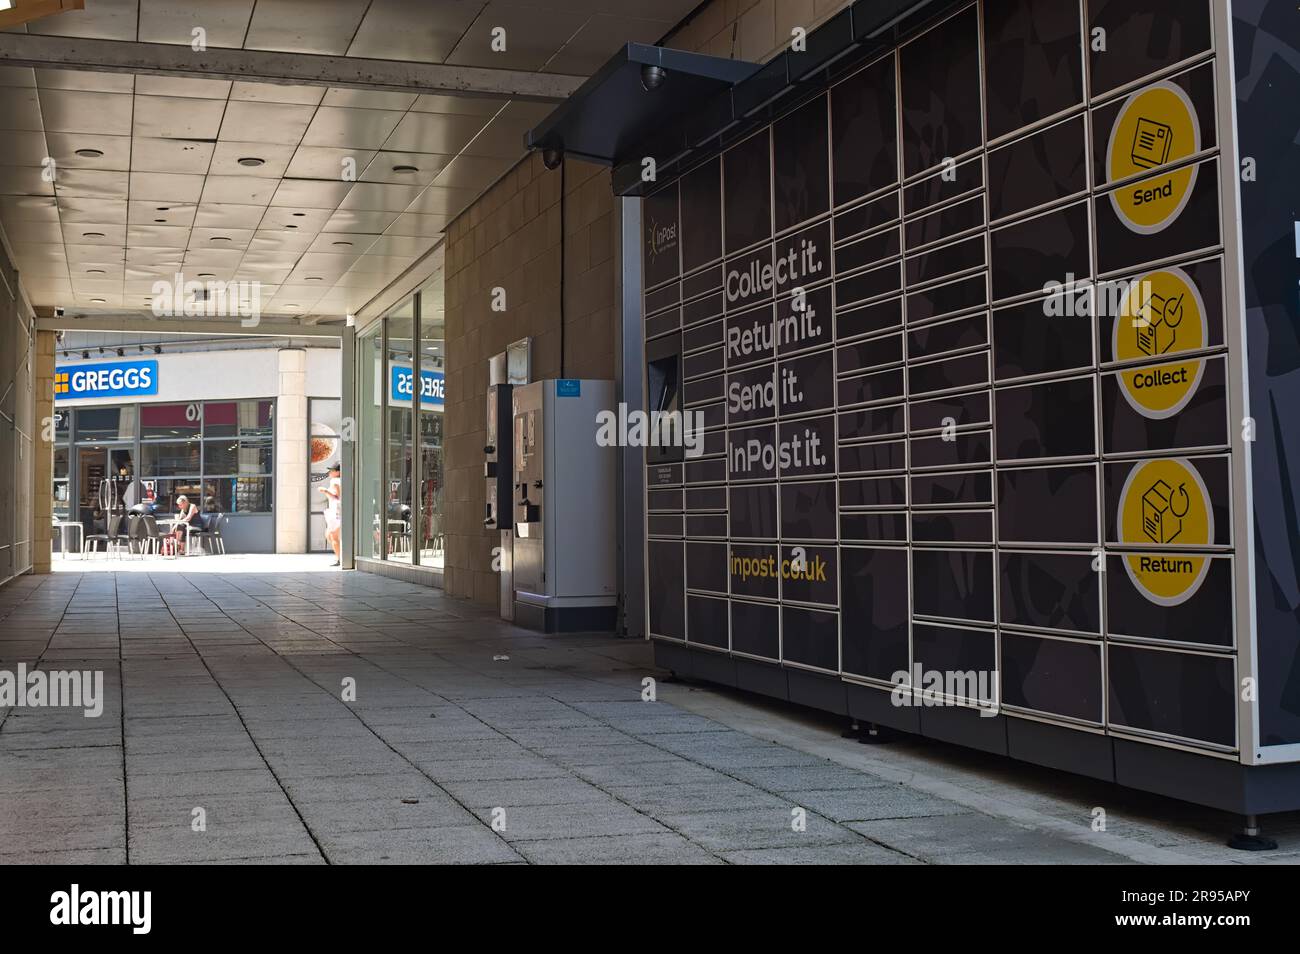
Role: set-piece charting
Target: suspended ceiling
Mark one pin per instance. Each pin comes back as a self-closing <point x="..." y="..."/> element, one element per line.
<point x="168" y="192"/>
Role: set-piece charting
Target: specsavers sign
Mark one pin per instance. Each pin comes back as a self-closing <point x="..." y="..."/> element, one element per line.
<point x="111" y="379"/>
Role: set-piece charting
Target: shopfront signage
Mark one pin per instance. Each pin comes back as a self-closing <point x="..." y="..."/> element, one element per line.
<point x="432" y="386"/>
<point x="110" y="379"/>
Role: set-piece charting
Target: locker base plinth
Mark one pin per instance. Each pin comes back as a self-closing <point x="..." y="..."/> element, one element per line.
<point x="1201" y="779"/>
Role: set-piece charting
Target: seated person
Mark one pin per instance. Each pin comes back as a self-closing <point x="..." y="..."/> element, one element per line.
<point x="187" y="514"/>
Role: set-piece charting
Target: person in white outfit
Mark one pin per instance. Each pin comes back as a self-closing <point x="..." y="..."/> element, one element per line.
<point x="333" y="490"/>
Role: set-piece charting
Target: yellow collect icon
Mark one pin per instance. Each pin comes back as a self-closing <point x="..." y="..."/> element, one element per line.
<point x="1162" y="314"/>
<point x="1164" y="504"/>
<point x="1157" y="126"/>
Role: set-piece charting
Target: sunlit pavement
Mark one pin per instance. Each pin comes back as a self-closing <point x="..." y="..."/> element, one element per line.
<point x="225" y="736"/>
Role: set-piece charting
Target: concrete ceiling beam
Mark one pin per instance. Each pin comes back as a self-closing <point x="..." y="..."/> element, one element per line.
<point x="281" y="68"/>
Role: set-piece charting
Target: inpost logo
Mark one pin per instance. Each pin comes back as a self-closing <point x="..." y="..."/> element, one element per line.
<point x="661" y="238"/>
<point x="811" y="569"/>
<point x="60" y="382"/>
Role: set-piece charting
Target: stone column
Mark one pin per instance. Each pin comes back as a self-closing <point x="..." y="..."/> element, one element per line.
<point x="291" y="453"/>
<point x="43" y="455"/>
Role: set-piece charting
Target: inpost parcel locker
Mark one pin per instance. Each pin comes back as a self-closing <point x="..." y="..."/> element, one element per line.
<point x="994" y="334"/>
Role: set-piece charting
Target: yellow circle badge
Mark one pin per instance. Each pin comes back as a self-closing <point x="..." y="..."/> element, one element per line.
<point x="1157" y="126"/>
<point x="1164" y="503"/>
<point x="1161" y="314"/>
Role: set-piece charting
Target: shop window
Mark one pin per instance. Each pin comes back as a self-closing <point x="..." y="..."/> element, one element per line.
<point x="238" y="418"/>
<point x="106" y="423"/>
<point x="237" y="457"/>
<point x="169" y="459"/>
<point x="176" y="421"/>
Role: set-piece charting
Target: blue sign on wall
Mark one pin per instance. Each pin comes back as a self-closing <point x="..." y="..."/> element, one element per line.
<point x="108" y="379"/>
<point x="432" y="391"/>
<point x="568" y="387"/>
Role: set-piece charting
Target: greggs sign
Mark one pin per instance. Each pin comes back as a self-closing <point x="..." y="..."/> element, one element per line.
<point x="111" y="379"/>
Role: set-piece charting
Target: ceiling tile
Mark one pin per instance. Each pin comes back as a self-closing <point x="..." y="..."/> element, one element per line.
<point x="304" y="221"/>
<point x="379" y="197"/>
<point x="91" y="183"/>
<point x="265" y="122"/>
<point x="214" y="216"/>
<point x="401" y="30"/>
<point x="599" y="39"/>
<point x="22" y="208"/>
<point x="355" y="128"/>
<point x="304" y="26"/>
<point x="365" y="222"/>
<point x="385" y="165"/>
<point x="171" y="155"/>
<point x="434" y="132"/>
<point x="24" y="180"/>
<point x="275" y="158"/>
<point x="140" y="212"/>
<point x="220" y="239"/>
<point x="21" y="109"/>
<point x="86" y="80"/>
<point x="238" y="190"/>
<point x="533" y="35"/>
<point x="63" y="148"/>
<point x="176" y="117"/>
<point x="310" y="193"/>
<point x="166" y="187"/>
<point x="25" y="234"/>
<point x="413" y="224"/>
<point x="458" y="105"/>
<point x="158" y="236"/>
<point x="185" y="86"/>
<point x="443" y="200"/>
<point x="473" y="173"/>
<point x="97" y="233"/>
<point x="223" y="21"/>
<point x="67" y="110"/>
<point x="112" y="211"/>
<point x="322" y="162"/>
<point x="275" y="93"/>
<point x="17" y="76"/>
<point x="368" y="99"/>
<point x="103" y="20"/>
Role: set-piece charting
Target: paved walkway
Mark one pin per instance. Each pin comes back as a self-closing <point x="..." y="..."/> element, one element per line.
<point x="471" y="741"/>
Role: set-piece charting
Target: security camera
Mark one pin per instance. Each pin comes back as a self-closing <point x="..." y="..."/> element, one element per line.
<point x="652" y="77"/>
<point x="58" y="312"/>
<point x="552" y="157"/>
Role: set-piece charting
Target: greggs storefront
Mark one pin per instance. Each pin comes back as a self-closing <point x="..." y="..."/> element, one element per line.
<point x="142" y="431"/>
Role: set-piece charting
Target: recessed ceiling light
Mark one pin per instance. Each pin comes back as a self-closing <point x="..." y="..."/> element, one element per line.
<point x="406" y="170"/>
<point x="252" y="162"/>
<point x="100" y="301"/>
<point x="161" y="220"/>
<point x="206" y="275"/>
<point x="299" y="215"/>
<point x="314" y="278"/>
<point x="291" y="226"/>
<point x="162" y="208"/>
<point x="90" y="153"/>
<point x="94" y="271"/>
<point x="219" y="238"/>
<point x="349" y="244"/>
<point x="92" y="234"/>
<point x="290" y="306"/>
